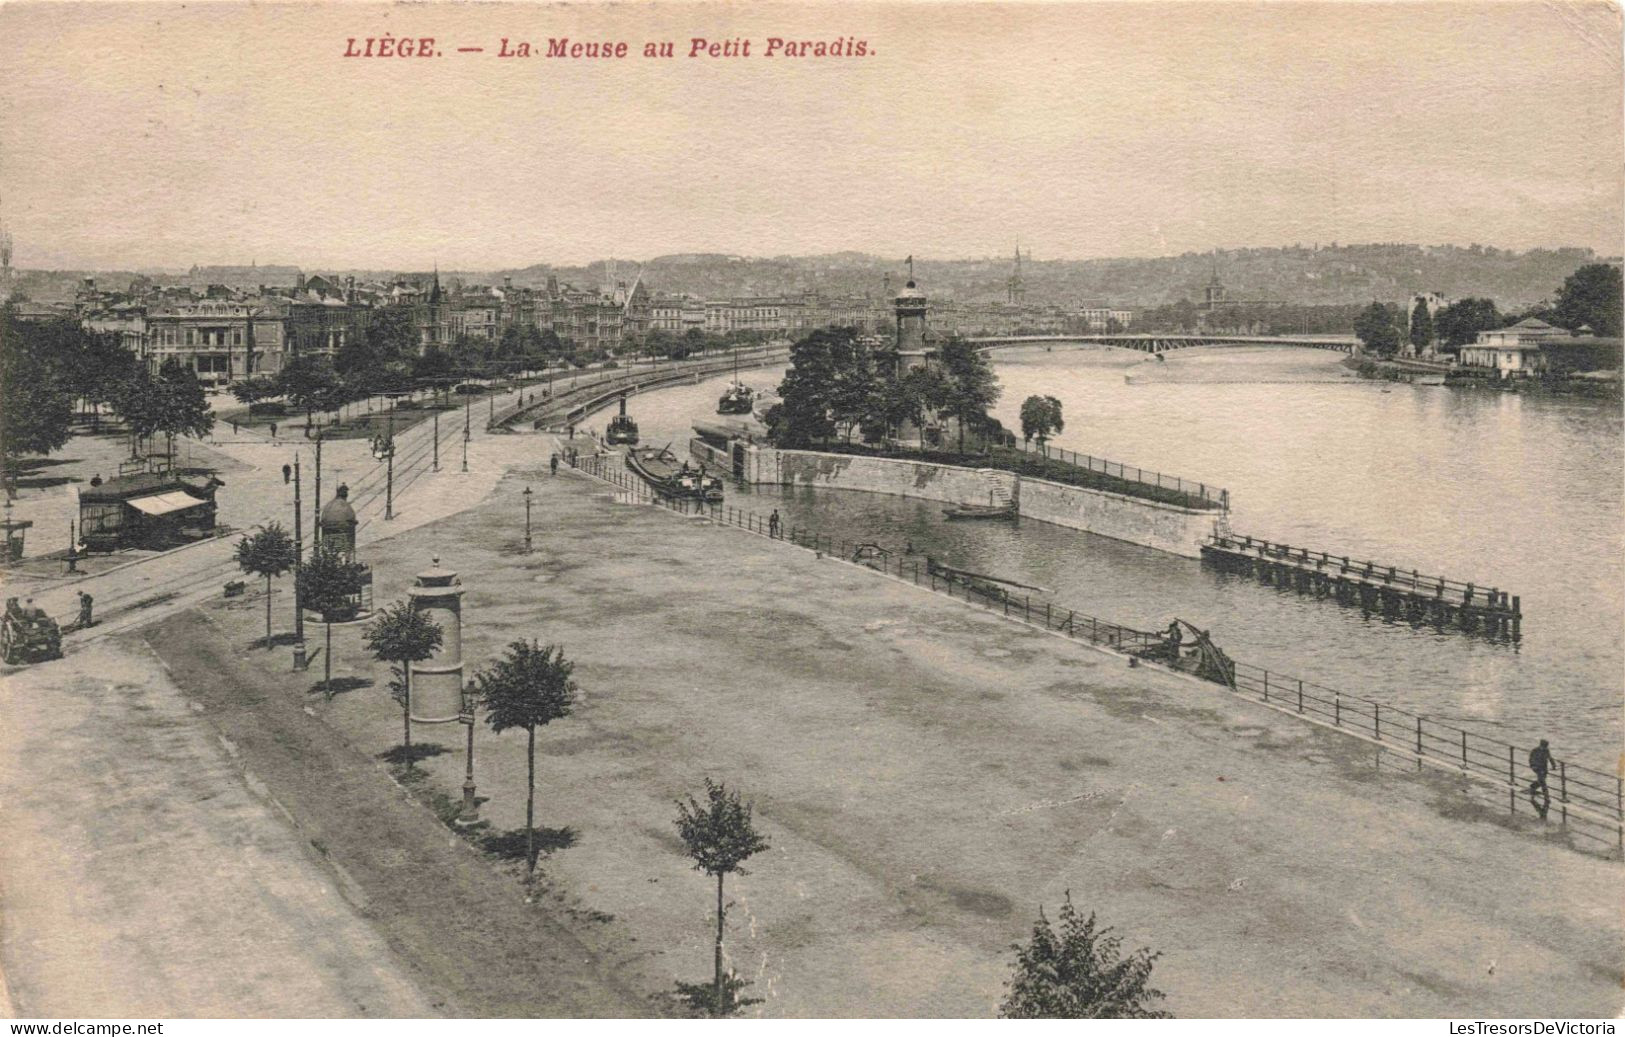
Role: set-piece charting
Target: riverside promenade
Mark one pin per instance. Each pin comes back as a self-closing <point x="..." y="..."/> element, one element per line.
<point x="929" y="775"/>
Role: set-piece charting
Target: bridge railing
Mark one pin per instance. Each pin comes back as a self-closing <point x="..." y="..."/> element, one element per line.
<point x="1207" y="494"/>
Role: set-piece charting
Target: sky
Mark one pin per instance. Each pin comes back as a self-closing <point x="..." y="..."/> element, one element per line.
<point x="152" y="135"/>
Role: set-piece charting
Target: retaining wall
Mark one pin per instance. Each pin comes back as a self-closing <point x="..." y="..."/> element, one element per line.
<point x="946" y="483"/>
<point x="1166" y="527"/>
<point x="1163" y="527"/>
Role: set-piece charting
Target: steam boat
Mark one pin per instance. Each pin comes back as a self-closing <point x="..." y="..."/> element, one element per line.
<point x="739" y="397"/>
<point x="622" y="429"/>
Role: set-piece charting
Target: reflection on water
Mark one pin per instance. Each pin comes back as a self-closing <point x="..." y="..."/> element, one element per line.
<point x="1518" y="492"/>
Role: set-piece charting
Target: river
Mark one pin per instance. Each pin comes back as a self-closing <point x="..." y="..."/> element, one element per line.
<point x="1515" y="491"/>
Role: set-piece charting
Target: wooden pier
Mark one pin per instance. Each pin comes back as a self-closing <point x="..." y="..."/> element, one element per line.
<point x="1376" y="589"/>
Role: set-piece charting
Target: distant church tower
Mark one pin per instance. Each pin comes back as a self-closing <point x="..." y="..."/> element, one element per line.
<point x="1213" y="294"/>
<point x="1016" y="287"/>
<point x="911" y="348"/>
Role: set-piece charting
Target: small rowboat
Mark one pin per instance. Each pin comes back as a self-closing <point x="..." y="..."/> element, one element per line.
<point x="981" y="511"/>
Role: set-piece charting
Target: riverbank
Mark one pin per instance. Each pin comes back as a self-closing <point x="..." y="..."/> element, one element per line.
<point x="929" y="775"/>
<point x="1600" y="385"/>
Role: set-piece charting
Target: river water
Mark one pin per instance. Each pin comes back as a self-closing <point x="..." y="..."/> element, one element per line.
<point x="1514" y="491"/>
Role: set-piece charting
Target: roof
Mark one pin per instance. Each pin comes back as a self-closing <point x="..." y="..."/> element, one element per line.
<point x="143" y="484"/>
<point x="1531" y="324"/>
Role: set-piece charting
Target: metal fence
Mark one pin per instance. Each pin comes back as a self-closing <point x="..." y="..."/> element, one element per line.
<point x="1213" y="496"/>
<point x="1588" y="803"/>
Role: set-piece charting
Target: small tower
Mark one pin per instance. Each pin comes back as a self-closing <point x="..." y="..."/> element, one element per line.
<point x="1214" y="292"/>
<point x="338" y="522"/>
<point x="910" y="308"/>
<point x="1017" y="287"/>
<point x="437" y="682"/>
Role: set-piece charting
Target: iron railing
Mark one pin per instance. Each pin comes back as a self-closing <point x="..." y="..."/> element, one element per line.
<point x="1587" y="802"/>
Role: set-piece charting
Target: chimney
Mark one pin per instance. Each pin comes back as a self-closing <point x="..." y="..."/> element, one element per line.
<point x="299" y="282"/>
<point x="507" y="281"/>
<point x="349" y="289"/>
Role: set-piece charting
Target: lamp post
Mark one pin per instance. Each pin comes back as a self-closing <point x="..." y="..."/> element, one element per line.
<point x="467" y="404"/>
<point x="73" y="549"/>
<point x="299" y="660"/>
<point x="384" y="450"/>
<point x="437" y="441"/>
<point x="471" y="808"/>
<point x="527" y="519"/>
<point x="316" y="505"/>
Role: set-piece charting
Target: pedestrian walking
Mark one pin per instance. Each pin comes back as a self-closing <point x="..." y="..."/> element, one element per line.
<point x="554" y="464"/>
<point x="1540" y="762"/>
<point x="773" y="524"/>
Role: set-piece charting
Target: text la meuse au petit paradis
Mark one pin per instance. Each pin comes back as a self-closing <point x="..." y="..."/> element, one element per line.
<point x="566" y="48"/>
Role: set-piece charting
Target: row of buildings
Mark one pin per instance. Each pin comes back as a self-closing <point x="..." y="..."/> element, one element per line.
<point x="227" y="333"/>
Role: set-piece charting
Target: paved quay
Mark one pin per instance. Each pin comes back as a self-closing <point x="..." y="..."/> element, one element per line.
<point x="928" y="775"/>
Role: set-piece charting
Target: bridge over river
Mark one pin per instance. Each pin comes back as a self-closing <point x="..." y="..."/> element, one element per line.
<point x="1165" y="342"/>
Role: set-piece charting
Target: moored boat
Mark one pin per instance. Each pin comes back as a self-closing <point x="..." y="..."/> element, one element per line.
<point x="671" y="477"/>
<point x="621" y="429"/>
<point x="738" y="399"/>
<point x="980" y="511"/>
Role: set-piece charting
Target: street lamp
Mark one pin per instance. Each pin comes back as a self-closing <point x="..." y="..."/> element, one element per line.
<point x="527" y="519"/>
<point x="299" y="660"/>
<point x="384" y="450"/>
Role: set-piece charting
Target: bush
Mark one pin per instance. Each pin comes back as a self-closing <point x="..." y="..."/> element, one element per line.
<point x="273" y="410"/>
<point x="469" y="389"/>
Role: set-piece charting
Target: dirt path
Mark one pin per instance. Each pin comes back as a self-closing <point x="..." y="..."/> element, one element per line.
<point x="141" y="876"/>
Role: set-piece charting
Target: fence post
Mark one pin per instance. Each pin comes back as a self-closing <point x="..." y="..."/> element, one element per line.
<point x="916" y="567"/>
<point x="1266" y="685"/>
<point x="1512" y="780"/>
<point x="1563" y="788"/>
<point x="1376" y="719"/>
<point x="1046" y="615"/>
<point x="1464" y="752"/>
<point x="1337" y="708"/>
<point x="1418" y="743"/>
<point x="1300" y="694"/>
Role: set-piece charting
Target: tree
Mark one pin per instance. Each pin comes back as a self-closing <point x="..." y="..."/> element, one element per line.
<point x="1078" y="972"/>
<point x="137" y="404"/>
<point x="183" y="407"/>
<point x="1459" y="323"/>
<point x="973" y="389"/>
<point x="269" y="554"/>
<point x="250" y="391"/>
<point x="528" y="688"/>
<point x="1376" y="327"/>
<point x="1040" y="418"/>
<point x="1594" y="295"/>
<point x="1421" y="326"/>
<point x="404" y="635"/>
<point x="36" y="407"/>
<point x="328" y="584"/>
<point x="804" y="414"/>
<point x="719" y="837"/>
<point x="309" y="382"/>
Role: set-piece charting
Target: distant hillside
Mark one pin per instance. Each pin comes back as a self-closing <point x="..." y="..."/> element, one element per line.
<point x="1329" y="274"/>
<point x="1309" y="275"/>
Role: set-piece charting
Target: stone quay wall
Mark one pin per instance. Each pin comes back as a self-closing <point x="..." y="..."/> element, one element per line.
<point x="1163" y="527"/>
